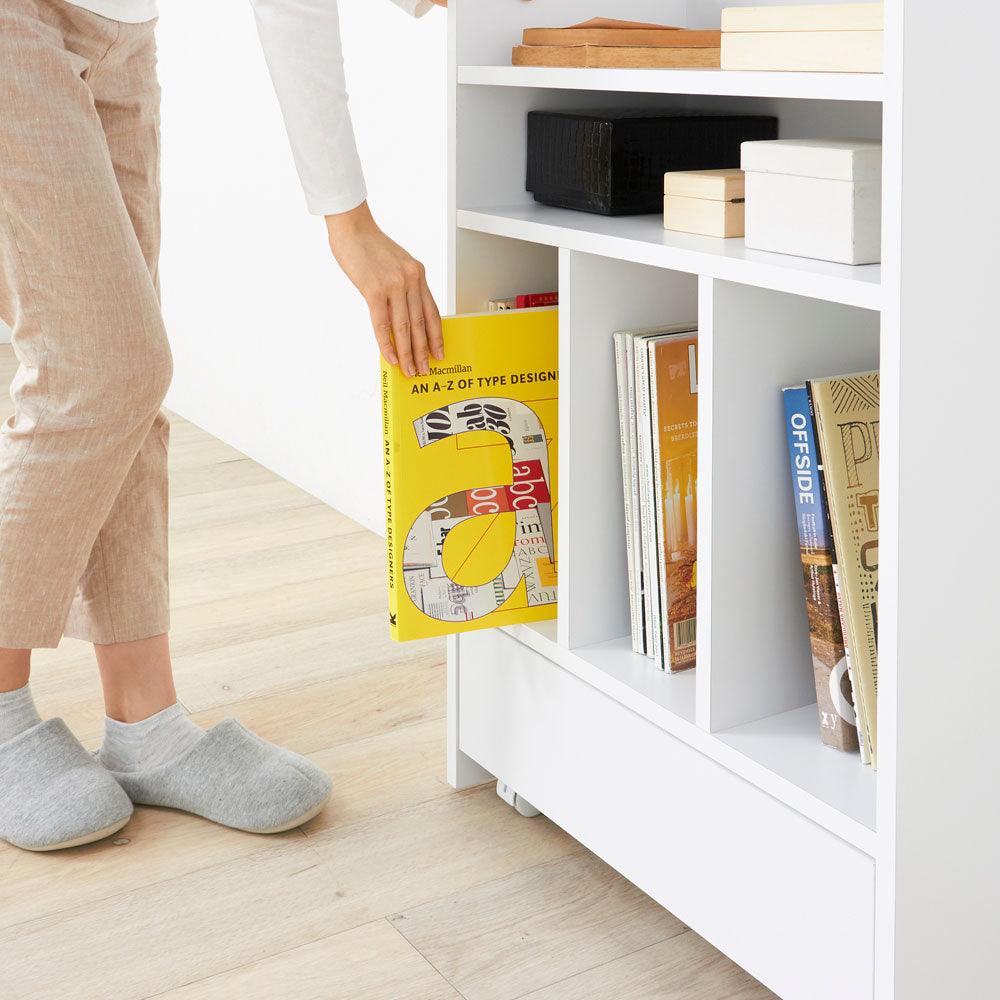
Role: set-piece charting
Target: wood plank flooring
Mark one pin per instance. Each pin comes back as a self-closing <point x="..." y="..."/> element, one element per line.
<point x="402" y="889"/>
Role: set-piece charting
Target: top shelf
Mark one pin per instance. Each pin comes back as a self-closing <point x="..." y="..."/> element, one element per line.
<point x="726" y="83"/>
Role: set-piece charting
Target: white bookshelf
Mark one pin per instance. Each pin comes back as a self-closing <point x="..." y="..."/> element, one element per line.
<point x="711" y="790"/>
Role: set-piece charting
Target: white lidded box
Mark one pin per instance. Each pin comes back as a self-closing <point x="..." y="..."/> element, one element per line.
<point x="818" y="198"/>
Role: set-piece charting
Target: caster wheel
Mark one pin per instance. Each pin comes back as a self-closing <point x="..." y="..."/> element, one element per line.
<point x="519" y="803"/>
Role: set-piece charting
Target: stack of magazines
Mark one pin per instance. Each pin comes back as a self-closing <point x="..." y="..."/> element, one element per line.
<point x="657" y="373"/>
<point x="832" y="427"/>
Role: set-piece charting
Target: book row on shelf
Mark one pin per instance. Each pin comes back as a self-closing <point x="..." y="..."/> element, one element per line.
<point x="658" y="420"/>
<point x="832" y="427"/>
<point x="817" y="37"/>
<point x="485" y="419"/>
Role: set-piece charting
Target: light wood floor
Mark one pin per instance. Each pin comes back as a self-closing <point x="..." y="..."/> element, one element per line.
<point x="402" y="889"/>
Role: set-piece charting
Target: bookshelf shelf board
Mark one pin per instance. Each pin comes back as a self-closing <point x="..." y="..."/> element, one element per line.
<point x="781" y="754"/>
<point x="629" y="678"/>
<point x="726" y="83"/>
<point x="789" y="745"/>
<point x="643" y="240"/>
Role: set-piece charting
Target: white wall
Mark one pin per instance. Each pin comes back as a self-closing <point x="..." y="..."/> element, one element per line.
<point x="272" y="346"/>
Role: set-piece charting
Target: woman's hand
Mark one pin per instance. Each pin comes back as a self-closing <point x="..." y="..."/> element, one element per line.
<point x="404" y="315"/>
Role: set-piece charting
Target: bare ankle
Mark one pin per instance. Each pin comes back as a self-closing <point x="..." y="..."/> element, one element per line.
<point x="137" y="678"/>
<point x="15" y="669"/>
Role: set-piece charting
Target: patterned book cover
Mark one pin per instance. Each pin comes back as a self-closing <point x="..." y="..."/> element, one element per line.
<point x="847" y="427"/>
<point x="674" y="383"/>
<point x="834" y="700"/>
<point x="470" y="478"/>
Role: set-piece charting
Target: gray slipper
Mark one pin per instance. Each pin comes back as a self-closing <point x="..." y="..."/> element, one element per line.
<point x="234" y="778"/>
<point x="53" y="794"/>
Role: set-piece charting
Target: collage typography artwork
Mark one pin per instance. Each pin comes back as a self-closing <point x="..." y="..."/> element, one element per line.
<point x="528" y="497"/>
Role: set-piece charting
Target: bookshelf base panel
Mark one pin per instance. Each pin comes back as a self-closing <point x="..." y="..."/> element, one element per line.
<point x="787" y="900"/>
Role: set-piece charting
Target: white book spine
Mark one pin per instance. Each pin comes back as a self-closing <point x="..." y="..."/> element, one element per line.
<point x="625" y="433"/>
<point x="650" y="561"/>
<point x="647" y="635"/>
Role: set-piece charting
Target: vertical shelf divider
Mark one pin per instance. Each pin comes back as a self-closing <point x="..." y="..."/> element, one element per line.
<point x="703" y="672"/>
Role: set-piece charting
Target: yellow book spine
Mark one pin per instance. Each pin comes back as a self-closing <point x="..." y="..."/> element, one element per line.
<point x="392" y="527"/>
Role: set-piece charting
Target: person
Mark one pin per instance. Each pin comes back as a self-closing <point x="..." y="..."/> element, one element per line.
<point x="83" y="476"/>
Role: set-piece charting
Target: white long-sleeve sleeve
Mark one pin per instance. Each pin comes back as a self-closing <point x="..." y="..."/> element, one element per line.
<point x="301" y="42"/>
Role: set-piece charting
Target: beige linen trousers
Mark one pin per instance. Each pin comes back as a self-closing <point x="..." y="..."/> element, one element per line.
<point x="83" y="475"/>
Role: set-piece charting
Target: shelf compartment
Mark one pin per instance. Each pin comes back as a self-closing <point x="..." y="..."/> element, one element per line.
<point x="867" y="87"/>
<point x="753" y="632"/>
<point x="642" y="239"/>
<point x="781" y="755"/>
<point x="491" y="267"/>
<point x="628" y="678"/>
<point x="599" y="295"/>
<point x="788" y="745"/>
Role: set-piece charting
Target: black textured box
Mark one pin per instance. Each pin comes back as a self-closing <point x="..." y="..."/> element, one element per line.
<point x="613" y="162"/>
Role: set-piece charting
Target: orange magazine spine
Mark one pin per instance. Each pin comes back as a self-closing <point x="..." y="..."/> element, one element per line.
<point x="674" y="378"/>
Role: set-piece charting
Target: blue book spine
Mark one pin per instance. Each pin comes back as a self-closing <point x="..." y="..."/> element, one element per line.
<point x="830" y="663"/>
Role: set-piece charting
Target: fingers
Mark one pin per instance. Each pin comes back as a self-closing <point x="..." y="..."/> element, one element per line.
<point x="382" y="325"/>
<point x="401" y="328"/>
<point x="432" y="321"/>
<point x="406" y="320"/>
<point x="418" y="328"/>
<point x="411" y="325"/>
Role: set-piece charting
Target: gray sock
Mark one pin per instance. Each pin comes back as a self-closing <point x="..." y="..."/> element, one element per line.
<point x="226" y="774"/>
<point x="17" y="712"/>
<point x="138" y="746"/>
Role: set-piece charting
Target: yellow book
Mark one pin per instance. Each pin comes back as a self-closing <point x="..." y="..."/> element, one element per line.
<point x="470" y="478"/>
